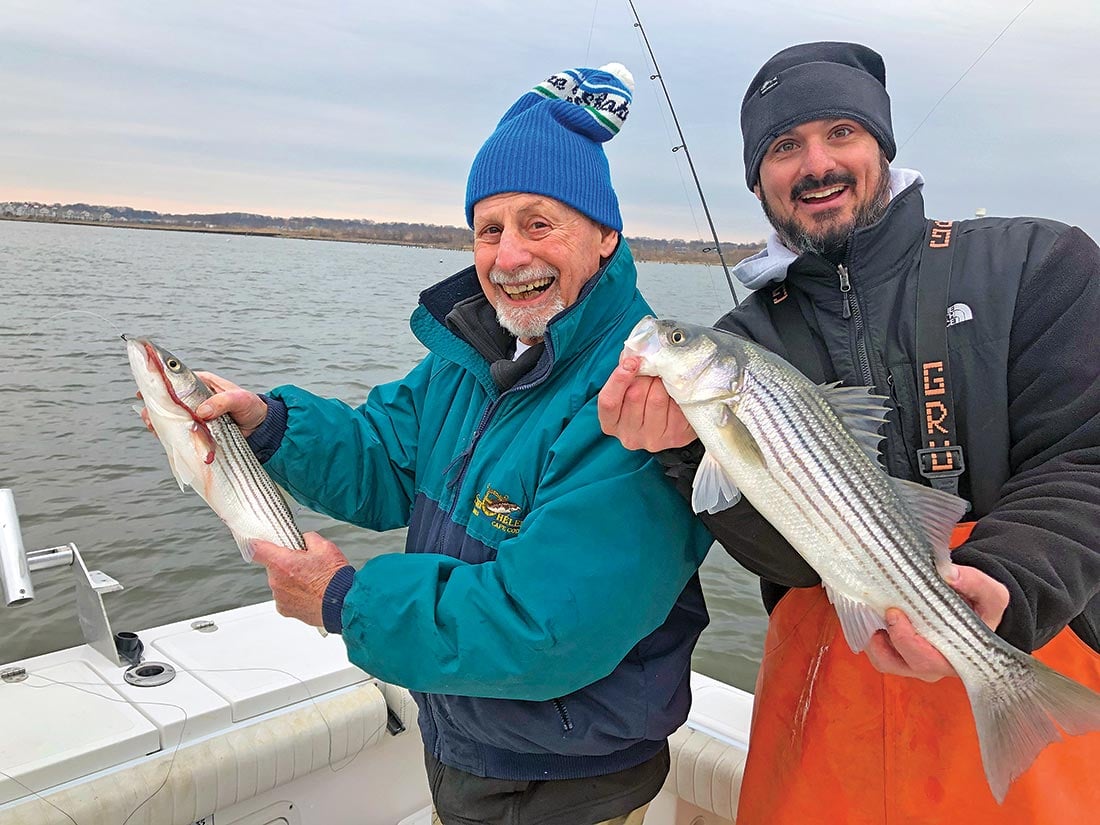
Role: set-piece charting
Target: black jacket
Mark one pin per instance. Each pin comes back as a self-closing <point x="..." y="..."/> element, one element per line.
<point x="1025" y="371"/>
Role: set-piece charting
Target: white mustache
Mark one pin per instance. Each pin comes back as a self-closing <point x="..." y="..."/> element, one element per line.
<point x="522" y="276"/>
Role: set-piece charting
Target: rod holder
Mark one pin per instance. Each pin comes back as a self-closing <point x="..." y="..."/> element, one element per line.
<point x="15" y="575"/>
<point x="16" y="566"/>
<point x="130" y="648"/>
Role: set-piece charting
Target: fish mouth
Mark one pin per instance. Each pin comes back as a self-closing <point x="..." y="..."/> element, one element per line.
<point x="643" y="340"/>
<point x="151" y="358"/>
<point x="137" y="355"/>
<point x="144" y="353"/>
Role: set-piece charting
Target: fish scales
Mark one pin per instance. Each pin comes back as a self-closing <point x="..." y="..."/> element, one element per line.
<point x="806" y="458"/>
<point x="253" y="481"/>
<point x="805" y="427"/>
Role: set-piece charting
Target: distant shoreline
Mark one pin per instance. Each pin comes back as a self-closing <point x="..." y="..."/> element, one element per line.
<point x="640" y="253"/>
<point x="233" y="230"/>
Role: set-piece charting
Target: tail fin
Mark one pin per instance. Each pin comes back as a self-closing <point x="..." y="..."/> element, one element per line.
<point x="1017" y="719"/>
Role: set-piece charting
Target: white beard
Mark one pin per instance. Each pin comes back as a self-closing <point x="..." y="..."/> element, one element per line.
<point x="528" y="323"/>
<point x="523" y="322"/>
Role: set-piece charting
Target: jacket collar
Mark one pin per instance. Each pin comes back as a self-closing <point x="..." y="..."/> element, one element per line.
<point x="876" y="253"/>
<point x="602" y="301"/>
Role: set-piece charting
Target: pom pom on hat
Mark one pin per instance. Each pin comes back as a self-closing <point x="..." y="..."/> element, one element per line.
<point x="601" y="105"/>
<point x="549" y="143"/>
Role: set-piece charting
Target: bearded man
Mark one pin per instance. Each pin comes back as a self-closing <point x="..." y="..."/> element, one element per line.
<point x="981" y="333"/>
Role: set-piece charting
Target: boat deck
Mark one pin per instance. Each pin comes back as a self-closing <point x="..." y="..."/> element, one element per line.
<point x="267" y="722"/>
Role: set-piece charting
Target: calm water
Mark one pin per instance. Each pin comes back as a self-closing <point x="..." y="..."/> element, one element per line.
<point x="328" y="316"/>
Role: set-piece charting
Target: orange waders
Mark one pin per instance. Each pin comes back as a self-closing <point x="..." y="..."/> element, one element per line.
<point x="835" y="741"/>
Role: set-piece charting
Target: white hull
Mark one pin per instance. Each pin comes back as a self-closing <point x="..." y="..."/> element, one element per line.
<point x="266" y="723"/>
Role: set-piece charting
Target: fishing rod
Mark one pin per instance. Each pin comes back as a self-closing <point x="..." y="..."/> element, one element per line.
<point x="683" y="145"/>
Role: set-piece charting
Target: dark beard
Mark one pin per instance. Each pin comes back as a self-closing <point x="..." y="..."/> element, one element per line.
<point x="831" y="241"/>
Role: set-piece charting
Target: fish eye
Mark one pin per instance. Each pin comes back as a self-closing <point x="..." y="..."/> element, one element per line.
<point x="677" y="336"/>
<point x="173" y="364"/>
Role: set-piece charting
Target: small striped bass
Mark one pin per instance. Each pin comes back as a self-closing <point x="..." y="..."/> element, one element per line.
<point x="806" y="457"/>
<point x="211" y="457"/>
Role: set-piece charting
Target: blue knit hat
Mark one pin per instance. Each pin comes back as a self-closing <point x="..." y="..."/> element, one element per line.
<point x="548" y="143"/>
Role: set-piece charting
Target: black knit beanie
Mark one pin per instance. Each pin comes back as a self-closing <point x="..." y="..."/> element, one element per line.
<point x="814" y="81"/>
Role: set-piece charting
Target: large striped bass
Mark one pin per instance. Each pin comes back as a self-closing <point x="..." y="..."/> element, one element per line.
<point x="806" y="457"/>
<point x="211" y="457"/>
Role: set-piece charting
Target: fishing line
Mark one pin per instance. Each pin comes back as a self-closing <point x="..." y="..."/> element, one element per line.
<point x="77" y="686"/>
<point x="347" y="759"/>
<point x="687" y="194"/>
<point x="591" y="31"/>
<point x="668" y="136"/>
<point x="964" y="74"/>
<point x="85" y="312"/>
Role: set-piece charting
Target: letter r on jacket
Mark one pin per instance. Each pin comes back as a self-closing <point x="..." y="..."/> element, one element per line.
<point x="935" y="413"/>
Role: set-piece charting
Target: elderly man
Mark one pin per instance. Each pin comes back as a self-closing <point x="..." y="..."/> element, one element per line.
<point x="547" y="604"/>
<point x="981" y="333"/>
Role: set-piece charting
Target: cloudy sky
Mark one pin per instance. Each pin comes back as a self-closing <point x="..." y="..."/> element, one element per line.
<point x="374" y="110"/>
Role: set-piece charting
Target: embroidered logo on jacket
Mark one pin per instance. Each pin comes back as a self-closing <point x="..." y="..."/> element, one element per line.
<point x="496" y="506"/>
<point x="957" y="313"/>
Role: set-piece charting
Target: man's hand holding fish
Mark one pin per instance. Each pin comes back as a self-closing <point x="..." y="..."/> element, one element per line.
<point x="298" y="583"/>
<point x="901" y="651"/>
<point x="246" y="408"/>
<point x="806" y="457"/>
<point x="638" y="411"/>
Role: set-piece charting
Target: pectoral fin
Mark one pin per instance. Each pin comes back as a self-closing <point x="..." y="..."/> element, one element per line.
<point x="192" y="458"/>
<point x="740" y="440"/>
<point x="181" y="469"/>
<point x="204" y="441"/>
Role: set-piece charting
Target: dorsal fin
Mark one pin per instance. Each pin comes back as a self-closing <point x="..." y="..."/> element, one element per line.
<point x="937" y="512"/>
<point x="862" y="412"/>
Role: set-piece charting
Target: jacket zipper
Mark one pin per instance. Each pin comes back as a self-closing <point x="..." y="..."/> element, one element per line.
<point x="466" y="456"/>
<point x="563" y="712"/>
<point x="468" y="453"/>
<point x="845" y="290"/>
<point x="852" y="311"/>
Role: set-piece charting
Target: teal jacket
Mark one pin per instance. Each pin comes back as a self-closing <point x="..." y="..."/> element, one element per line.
<point x="546" y="566"/>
